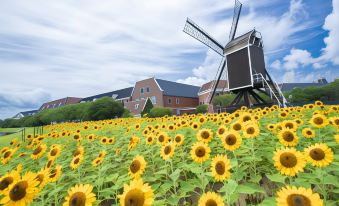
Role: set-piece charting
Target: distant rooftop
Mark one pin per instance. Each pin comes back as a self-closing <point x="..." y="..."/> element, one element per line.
<point x="178" y="89"/>
<point x="120" y="94"/>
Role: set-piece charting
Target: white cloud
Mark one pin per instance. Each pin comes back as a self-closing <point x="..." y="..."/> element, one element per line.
<point x="300" y="58"/>
<point x="276" y="65"/>
<point x="331" y="51"/>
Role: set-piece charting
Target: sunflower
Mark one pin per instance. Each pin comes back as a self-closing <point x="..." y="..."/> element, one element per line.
<point x="167" y="151"/>
<point x="289" y="161"/>
<point x="179" y="139"/>
<point x="245" y="116"/>
<point x="55" y="173"/>
<point x="221" y="130"/>
<point x="102" y="154"/>
<point x="149" y="139"/>
<point x="7" y="156"/>
<point x="236" y="126"/>
<point x="137" y="194"/>
<point x="97" y="161"/>
<point x="54" y="152"/>
<point x="38" y="151"/>
<point x="21" y="192"/>
<point x="336" y="137"/>
<point x="104" y="140"/>
<point x="50" y="163"/>
<point x="288" y="137"/>
<point x="195" y="125"/>
<point x="80" y="195"/>
<point x="271" y="127"/>
<point x="79" y="151"/>
<point x="319" y="155"/>
<point x="42" y="177"/>
<point x="289" y="124"/>
<point x="231" y="140"/>
<point x="251" y="130"/>
<point x="137" y="167"/>
<point x="7" y="179"/>
<point x="319" y="121"/>
<point x="204" y="135"/>
<point x="293" y="196"/>
<point x="76" y="161"/>
<point x="162" y="138"/>
<point x="210" y="199"/>
<point x="220" y="168"/>
<point x="200" y="152"/>
<point x="308" y="133"/>
<point x="283" y="115"/>
<point x="133" y="142"/>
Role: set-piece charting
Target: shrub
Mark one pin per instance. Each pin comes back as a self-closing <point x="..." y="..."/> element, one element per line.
<point x="127" y="114"/>
<point x="104" y="108"/>
<point x="160" y="112"/>
<point x="201" y="109"/>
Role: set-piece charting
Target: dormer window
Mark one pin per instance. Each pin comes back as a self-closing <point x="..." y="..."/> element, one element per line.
<point x="114" y="96"/>
<point x="141" y="90"/>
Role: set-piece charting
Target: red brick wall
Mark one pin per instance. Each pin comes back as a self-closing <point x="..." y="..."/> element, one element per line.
<point x="183" y="102"/>
<point x="142" y="97"/>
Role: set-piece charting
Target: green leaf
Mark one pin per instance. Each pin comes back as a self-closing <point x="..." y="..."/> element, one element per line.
<point x="175" y="175"/>
<point x="229" y="187"/>
<point x="268" y="202"/>
<point x="249" y="188"/>
<point x="331" y="180"/>
<point x="277" y="178"/>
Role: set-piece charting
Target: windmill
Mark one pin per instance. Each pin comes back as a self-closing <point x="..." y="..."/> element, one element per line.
<point x="242" y="63"/>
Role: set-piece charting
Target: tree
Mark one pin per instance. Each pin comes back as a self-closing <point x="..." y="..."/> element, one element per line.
<point x="104" y="108"/>
<point x="201" y="109"/>
<point x="147" y="108"/>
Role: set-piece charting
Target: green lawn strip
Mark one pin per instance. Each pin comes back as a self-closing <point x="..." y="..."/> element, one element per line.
<point x="5" y="140"/>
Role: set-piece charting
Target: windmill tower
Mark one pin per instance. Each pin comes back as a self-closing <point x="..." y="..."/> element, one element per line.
<point x="242" y="63"/>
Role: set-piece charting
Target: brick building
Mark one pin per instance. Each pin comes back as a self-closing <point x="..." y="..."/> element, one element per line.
<point x="206" y="90"/>
<point x="182" y="98"/>
<point x="122" y="95"/>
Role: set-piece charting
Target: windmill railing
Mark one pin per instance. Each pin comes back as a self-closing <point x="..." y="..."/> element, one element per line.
<point x="259" y="78"/>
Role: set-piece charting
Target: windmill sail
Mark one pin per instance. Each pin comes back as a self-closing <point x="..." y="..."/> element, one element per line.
<point x="236" y="15"/>
<point x="198" y="33"/>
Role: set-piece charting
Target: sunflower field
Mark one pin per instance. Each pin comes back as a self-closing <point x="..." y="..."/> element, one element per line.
<point x="269" y="156"/>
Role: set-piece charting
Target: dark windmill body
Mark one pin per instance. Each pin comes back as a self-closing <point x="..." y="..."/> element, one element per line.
<point x="243" y="64"/>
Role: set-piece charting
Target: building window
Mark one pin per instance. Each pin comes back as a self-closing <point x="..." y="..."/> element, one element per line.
<point x="153" y="99"/>
<point x="136" y="106"/>
<point x="147" y="89"/>
<point x="169" y="101"/>
<point x="177" y="100"/>
<point x="141" y="90"/>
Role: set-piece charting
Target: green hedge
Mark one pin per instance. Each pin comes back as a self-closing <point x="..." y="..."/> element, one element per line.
<point x="160" y="112"/>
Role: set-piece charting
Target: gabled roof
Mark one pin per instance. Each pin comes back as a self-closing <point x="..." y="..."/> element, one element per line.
<point x="221" y="84"/>
<point x="289" y="86"/>
<point x="239" y="40"/>
<point x="60" y="102"/>
<point x="178" y="89"/>
<point x="28" y="113"/>
<point x="121" y="93"/>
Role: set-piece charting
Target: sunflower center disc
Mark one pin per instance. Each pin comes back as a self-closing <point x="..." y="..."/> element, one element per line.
<point x="54" y="152"/>
<point x="7" y="154"/>
<point x="167" y="150"/>
<point x="135" y="197"/>
<point x="237" y="127"/>
<point x="77" y="160"/>
<point x="231" y="139"/>
<point x="211" y="203"/>
<point x="220" y="167"/>
<point x="149" y="139"/>
<point x="76" y="153"/>
<point x="5" y="182"/>
<point x="298" y="200"/>
<point x="317" y="154"/>
<point x="205" y="135"/>
<point x="309" y="132"/>
<point x="200" y="151"/>
<point x="246" y="118"/>
<point x="221" y="131"/>
<point x="37" y="150"/>
<point x="250" y="130"/>
<point x="288" y="159"/>
<point x="77" y="199"/>
<point x="289" y="125"/>
<point x="135" y="166"/>
<point x="161" y="138"/>
<point x="318" y="120"/>
<point x="18" y="191"/>
<point x="178" y="139"/>
<point x="288" y="136"/>
<point x="49" y="163"/>
<point x="76" y="136"/>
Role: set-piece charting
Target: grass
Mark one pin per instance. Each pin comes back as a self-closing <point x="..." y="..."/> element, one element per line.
<point x="5" y="140"/>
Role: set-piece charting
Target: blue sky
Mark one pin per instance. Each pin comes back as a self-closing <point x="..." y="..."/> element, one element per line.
<point x="54" y="49"/>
